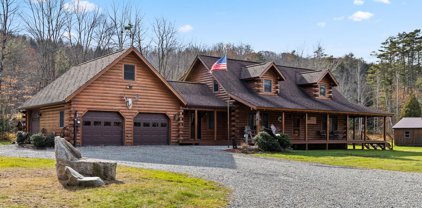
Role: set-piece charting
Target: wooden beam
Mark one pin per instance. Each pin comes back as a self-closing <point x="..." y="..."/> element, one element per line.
<point x="347" y="127"/>
<point x="354" y="132"/>
<point x="306" y="130"/>
<point x="365" y="128"/>
<point x="283" y="123"/>
<point x="215" y="125"/>
<point x="258" y="122"/>
<point x="327" y="133"/>
<point x="196" y="125"/>
<point x="385" y="129"/>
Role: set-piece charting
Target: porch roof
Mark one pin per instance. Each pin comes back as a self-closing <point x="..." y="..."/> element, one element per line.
<point x="197" y="95"/>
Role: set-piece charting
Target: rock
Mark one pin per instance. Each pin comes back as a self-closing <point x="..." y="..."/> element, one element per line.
<point x="76" y="179"/>
<point x="90" y="167"/>
<point x="67" y="155"/>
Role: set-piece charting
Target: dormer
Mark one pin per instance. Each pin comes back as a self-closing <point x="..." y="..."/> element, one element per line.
<point x="317" y="84"/>
<point x="263" y="78"/>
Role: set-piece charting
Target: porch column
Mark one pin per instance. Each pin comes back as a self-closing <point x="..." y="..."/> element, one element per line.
<point x="306" y="130"/>
<point x="354" y="132"/>
<point x="215" y="125"/>
<point x="385" y="129"/>
<point x="282" y="120"/>
<point x="258" y="122"/>
<point x="347" y="127"/>
<point x="327" y="134"/>
<point x="196" y="125"/>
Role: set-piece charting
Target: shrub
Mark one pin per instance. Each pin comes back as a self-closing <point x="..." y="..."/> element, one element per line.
<point x="21" y="137"/>
<point x="49" y="140"/>
<point x="9" y="136"/>
<point x="266" y="142"/>
<point x="283" y="140"/>
<point x="38" y="140"/>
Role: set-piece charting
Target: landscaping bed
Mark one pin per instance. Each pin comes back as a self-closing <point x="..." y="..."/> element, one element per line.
<point x="29" y="182"/>
<point x="407" y="159"/>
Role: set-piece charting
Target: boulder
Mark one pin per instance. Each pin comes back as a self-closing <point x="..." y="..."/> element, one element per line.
<point x="67" y="155"/>
<point x="76" y="179"/>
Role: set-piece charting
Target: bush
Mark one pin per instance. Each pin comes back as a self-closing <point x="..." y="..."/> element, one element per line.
<point x="266" y="142"/>
<point x="38" y="140"/>
<point x="9" y="136"/>
<point x="49" y="140"/>
<point x="21" y="137"/>
<point x="283" y="140"/>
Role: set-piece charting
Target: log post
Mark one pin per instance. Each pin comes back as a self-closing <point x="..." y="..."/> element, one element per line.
<point x="385" y="129"/>
<point x="354" y="132"/>
<point x="196" y="126"/>
<point x="215" y="125"/>
<point x="306" y="130"/>
<point x="327" y="134"/>
<point x="282" y="125"/>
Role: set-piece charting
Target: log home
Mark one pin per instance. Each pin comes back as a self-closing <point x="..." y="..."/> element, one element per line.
<point x="120" y="99"/>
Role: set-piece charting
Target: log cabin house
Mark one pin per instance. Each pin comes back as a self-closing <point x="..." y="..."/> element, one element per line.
<point x="120" y="99"/>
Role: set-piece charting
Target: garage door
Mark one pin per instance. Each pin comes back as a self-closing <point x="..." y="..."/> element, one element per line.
<point x="102" y="128"/>
<point x="150" y="129"/>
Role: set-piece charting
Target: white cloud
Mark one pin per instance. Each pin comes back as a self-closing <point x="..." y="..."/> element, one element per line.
<point x="185" y="28"/>
<point x="338" y="18"/>
<point x="383" y="1"/>
<point x="358" y="2"/>
<point x="79" y="6"/>
<point x="360" y="16"/>
<point x="321" y="24"/>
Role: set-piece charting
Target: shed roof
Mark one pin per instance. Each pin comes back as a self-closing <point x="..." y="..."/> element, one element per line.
<point x="409" y="123"/>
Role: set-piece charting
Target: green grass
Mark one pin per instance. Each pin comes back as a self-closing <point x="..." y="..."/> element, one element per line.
<point x="407" y="159"/>
<point x="28" y="182"/>
<point x="4" y="142"/>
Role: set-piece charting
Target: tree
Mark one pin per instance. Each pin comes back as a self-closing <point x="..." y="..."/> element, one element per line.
<point x="165" y="42"/>
<point x="411" y="108"/>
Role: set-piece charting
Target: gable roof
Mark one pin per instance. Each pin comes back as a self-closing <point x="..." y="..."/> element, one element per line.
<point x="257" y="70"/>
<point x="65" y="87"/>
<point x="307" y="78"/>
<point x="197" y="94"/>
<point x="409" y="123"/>
<point x="291" y="96"/>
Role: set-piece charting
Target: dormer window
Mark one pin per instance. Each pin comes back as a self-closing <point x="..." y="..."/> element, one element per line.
<point x="322" y="90"/>
<point x="268" y="85"/>
<point x="129" y="72"/>
<point x="215" y="86"/>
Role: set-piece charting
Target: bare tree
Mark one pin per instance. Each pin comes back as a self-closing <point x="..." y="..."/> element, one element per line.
<point x="45" y="23"/>
<point x="165" y="42"/>
<point x="119" y="17"/>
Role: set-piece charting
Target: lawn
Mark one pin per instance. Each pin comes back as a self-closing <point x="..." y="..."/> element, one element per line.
<point x="26" y="182"/>
<point x="4" y="142"/>
<point x="407" y="159"/>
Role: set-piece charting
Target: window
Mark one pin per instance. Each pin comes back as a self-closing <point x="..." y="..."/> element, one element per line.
<point x="137" y="124"/>
<point x="268" y="85"/>
<point x="322" y="90"/>
<point x="87" y="123"/>
<point x="296" y="126"/>
<point x="107" y="123"/>
<point x="97" y="123"/>
<point x="145" y="124"/>
<point x="210" y="120"/>
<point x="252" y="121"/>
<point x="129" y="72"/>
<point x="163" y="124"/>
<point x="407" y="134"/>
<point x="154" y="124"/>
<point x="215" y="86"/>
<point x="117" y="123"/>
<point x="333" y="123"/>
<point x="61" y="118"/>
<point x="264" y="120"/>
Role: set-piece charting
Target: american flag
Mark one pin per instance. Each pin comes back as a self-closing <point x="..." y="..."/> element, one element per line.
<point x="221" y="64"/>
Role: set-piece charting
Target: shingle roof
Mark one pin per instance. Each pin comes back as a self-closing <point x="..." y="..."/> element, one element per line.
<point x="291" y="95"/>
<point x="313" y="77"/>
<point x="58" y="90"/>
<point x="409" y="123"/>
<point x="197" y="95"/>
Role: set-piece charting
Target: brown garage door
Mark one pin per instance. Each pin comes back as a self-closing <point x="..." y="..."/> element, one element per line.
<point x="150" y="129"/>
<point x="102" y="128"/>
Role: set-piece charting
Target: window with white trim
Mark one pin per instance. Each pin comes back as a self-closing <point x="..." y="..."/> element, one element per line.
<point x="129" y="72"/>
<point x="268" y="85"/>
<point x="322" y="90"/>
<point x="407" y="134"/>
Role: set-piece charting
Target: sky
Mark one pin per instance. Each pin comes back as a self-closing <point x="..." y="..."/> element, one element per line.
<point x="340" y="26"/>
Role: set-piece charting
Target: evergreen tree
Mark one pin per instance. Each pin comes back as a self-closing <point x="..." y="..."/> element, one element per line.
<point x="411" y="108"/>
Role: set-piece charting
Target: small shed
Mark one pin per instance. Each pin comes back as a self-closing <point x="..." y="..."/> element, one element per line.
<point x="408" y="132"/>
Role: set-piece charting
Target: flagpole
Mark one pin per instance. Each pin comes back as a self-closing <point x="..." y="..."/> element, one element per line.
<point x="228" y="123"/>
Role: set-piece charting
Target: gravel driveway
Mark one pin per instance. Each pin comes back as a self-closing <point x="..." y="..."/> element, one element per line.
<point x="259" y="182"/>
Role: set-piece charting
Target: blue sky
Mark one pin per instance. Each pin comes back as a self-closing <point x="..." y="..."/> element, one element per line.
<point x="340" y="26"/>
